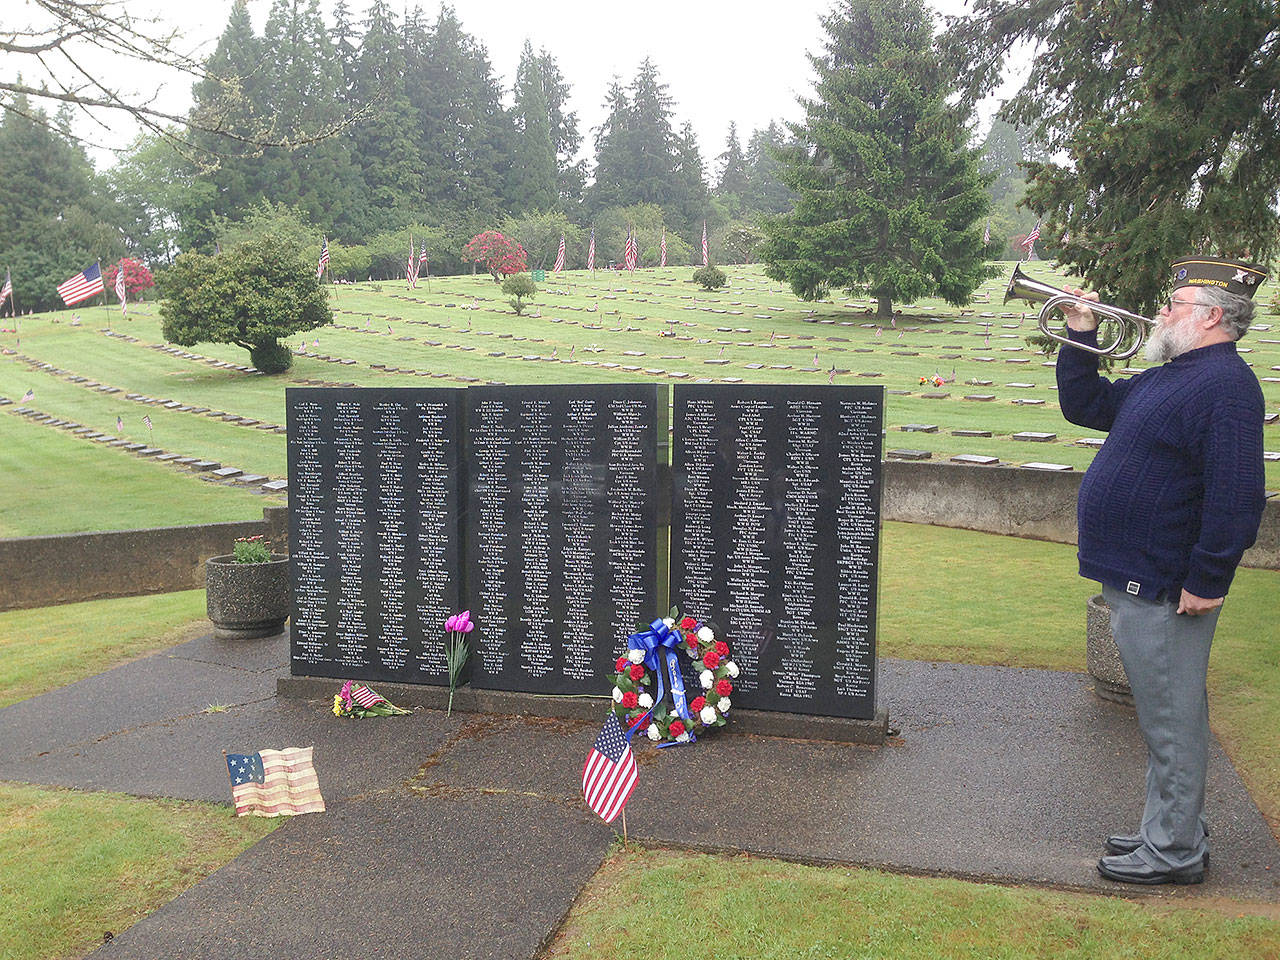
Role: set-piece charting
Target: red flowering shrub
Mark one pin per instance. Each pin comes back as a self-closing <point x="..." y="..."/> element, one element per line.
<point x="136" y="277"/>
<point x="501" y="257"/>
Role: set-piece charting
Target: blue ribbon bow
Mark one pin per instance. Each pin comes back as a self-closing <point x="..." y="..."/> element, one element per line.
<point x="658" y="643"/>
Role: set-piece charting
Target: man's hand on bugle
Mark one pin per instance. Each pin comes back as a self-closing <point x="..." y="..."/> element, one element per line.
<point x="1080" y="317"/>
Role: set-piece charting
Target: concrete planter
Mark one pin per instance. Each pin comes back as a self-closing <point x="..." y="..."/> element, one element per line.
<point x="247" y="600"/>
<point x="1102" y="655"/>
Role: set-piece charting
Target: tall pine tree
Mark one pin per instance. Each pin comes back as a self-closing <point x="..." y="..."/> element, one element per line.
<point x="532" y="180"/>
<point x="888" y="194"/>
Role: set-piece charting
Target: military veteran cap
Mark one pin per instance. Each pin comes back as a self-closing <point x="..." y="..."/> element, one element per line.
<point x="1232" y="276"/>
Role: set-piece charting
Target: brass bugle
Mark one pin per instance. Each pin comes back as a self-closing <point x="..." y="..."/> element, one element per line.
<point x="1054" y="300"/>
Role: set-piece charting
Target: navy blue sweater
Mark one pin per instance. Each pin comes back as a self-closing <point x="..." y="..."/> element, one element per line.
<point x="1175" y="494"/>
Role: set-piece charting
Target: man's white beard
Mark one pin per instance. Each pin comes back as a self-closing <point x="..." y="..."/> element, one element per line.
<point x="1169" y="342"/>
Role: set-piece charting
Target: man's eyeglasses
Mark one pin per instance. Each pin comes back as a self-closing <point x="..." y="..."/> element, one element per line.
<point x="1173" y="300"/>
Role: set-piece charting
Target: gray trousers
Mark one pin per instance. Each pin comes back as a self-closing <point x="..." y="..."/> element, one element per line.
<point x="1166" y="657"/>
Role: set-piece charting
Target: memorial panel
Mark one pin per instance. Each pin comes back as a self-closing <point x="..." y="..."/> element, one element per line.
<point x="775" y="537"/>
<point x="562" y="532"/>
<point x="374" y="530"/>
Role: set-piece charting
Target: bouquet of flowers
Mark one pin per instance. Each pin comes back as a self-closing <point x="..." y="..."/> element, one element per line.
<point x="358" y="700"/>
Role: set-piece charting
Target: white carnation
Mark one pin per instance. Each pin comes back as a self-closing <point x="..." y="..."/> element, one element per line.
<point x="683" y="738"/>
<point x="731" y="668"/>
<point x="646" y="701"/>
<point x="617" y="695"/>
<point x="653" y="732"/>
<point x="706" y="635"/>
<point x="706" y="678"/>
<point x="708" y="714"/>
<point x="723" y="704"/>
<point x="669" y="622"/>
<point x="635" y="656"/>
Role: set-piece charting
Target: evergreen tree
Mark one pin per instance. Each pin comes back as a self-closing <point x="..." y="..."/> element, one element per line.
<point x="691" y="201"/>
<point x="765" y="192"/>
<point x="651" y="141"/>
<point x="533" y="176"/>
<point x="55" y="216"/>
<point x="384" y="143"/>
<point x="888" y="195"/>
<point x="1168" y="116"/>
<point x="1001" y="158"/>
<point x="571" y="175"/>
<point x="612" y="143"/>
<point x="733" y="167"/>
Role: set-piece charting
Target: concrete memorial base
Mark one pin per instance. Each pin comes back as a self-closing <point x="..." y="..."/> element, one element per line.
<point x="1103" y="657"/>
<point x="765" y="723"/>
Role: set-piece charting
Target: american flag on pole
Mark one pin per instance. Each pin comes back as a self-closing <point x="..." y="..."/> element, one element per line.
<point x="324" y="258"/>
<point x="120" y="287"/>
<point x="147" y="420"/>
<point x="82" y="286"/>
<point x="559" y="257"/>
<point x="706" y="257"/>
<point x="1029" y="243"/>
<point x="609" y="775"/>
<point x="423" y="266"/>
<point x="6" y="292"/>
<point x="591" y="251"/>
<point x="662" y="248"/>
<point x="629" y="255"/>
<point x="29" y="395"/>
<point x="274" y="783"/>
<point x="986" y="234"/>
<point x="119" y="424"/>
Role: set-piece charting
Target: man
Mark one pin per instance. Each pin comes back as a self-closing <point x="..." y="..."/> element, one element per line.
<point x="1170" y="503"/>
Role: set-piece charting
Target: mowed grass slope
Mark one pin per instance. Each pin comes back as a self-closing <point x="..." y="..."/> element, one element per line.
<point x="653" y="325"/>
<point x="662" y="903"/>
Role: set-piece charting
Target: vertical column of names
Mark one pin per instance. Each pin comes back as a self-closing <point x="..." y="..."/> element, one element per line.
<point x="747" y="579"/>
<point x="390" y="445"/>
<point x="536" y="655"/>
<point x="437" y="525"/>
<point x="795" y="676"/>
<point x="697" y="546"/>
<point x="857" y="532"/>
<point x="581" y="495"/>
<point x="310" y="622"/>
<point x="626" y="499"/>
<point x="491" y="441"/>
<point x="351" y="633"/>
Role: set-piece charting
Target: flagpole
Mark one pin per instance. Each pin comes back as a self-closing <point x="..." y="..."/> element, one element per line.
<point x="624" y="819"/>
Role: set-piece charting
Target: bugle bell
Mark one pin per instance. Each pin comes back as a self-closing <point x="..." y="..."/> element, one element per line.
<point x="1054" y="300"/>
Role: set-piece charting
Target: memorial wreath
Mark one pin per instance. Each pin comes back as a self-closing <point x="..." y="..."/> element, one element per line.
<point x="651" y="658"/>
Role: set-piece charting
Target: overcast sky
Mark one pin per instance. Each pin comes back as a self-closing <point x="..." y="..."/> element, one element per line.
<point x="721" y="61"/>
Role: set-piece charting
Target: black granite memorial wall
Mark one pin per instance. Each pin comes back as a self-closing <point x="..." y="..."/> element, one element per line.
<point x="562" y="531"/>
<point x="775" y="537"/>
<point x="374" y="530"/>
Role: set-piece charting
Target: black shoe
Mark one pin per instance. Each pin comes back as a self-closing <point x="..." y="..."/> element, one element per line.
<point x="1128" y="868"/>
<point x="1123" y="843"/>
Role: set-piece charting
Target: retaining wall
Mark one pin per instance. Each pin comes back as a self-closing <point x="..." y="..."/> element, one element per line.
<point x="1039" y="505"/>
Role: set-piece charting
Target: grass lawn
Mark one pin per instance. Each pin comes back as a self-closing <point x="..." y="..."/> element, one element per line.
<point x="50" y="647"/>
<point x="668" y="904"/>
<point x="606" y="327"/>
<point x="75" y="865"/>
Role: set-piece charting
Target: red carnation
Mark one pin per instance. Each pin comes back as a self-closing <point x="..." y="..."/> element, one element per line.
<point x="629" y="699"/>
<point x="688" y="623"/>
<point x="722" y="648"/>
<point x="698" y="704"/>
<point x="692" y="641"/>
<point x="711" y="660"/>
<point x="621" y="664"/>
<point x="637" y="671"/>
<point x="724" y="687"/>
<point x="676" y="728"/>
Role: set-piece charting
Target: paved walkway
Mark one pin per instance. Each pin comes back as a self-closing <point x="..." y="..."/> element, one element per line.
<point x="466" y="836"/>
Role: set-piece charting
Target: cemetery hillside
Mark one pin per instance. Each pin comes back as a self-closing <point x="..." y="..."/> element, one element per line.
<point x="488" y="480"/>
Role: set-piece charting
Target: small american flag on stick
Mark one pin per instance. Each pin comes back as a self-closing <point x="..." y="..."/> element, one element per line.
<point x="609" y="775"/>
<point x="559" y="257"/>
<point x="591" y="251"/>
<point x="662" y="248"/>
<point x="324" y="258"/>
<point x="120" y="288"/>
<point x="706" y="257"/>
